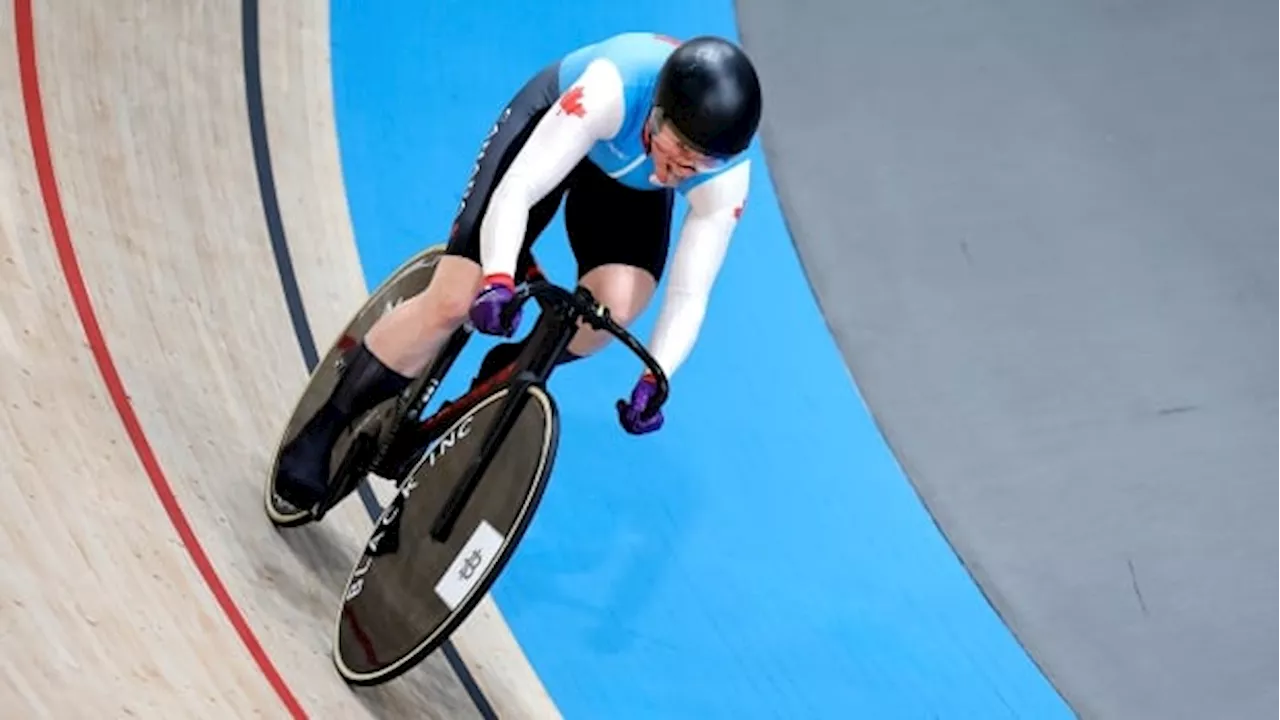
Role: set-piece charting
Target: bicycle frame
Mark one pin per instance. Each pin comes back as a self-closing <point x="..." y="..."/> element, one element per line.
<point x="561" y="311"/>
<point x="504" y="398"/>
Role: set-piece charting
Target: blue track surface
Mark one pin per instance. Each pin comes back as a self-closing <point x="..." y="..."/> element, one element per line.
<point x="762" y="556"/>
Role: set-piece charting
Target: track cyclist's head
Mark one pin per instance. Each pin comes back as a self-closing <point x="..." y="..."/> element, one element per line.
<point x="706" y="108"/>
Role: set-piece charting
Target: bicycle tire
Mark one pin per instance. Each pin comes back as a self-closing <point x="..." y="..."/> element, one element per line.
<point x="324" y="375"/>
<point x="393" y="611"/>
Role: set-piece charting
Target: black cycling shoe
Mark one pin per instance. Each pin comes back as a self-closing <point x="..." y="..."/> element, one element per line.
<point x="302" y="473"/>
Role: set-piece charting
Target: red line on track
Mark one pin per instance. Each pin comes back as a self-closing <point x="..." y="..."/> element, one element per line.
<point x="25" y="28"/>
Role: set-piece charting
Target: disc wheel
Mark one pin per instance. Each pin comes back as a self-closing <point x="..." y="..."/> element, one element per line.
<point x="408" y="280"/>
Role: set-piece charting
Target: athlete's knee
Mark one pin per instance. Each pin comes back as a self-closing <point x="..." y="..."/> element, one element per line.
<point x="452" y="290"/>
<point x="587" y="341"/>
<point x="625" y="314"/>
<point x="450" y="308"/>
<point x="626" y="292"/>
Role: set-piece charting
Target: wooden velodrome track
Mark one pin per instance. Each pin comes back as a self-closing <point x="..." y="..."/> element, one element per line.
<point x="150" y="360"/>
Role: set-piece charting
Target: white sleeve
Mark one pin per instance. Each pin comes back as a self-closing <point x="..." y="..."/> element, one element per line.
<point x="590" y="110"/>
<point x="714" y="209"/>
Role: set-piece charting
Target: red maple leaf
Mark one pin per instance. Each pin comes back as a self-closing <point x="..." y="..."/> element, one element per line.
<point x="571" y="102"/>
<point x="737" y="212"/>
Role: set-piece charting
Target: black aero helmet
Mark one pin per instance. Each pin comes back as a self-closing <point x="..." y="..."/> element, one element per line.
<point x="709" y="92"/>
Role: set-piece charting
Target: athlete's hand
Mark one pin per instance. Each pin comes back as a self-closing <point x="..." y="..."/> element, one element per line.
<point x="486" y="309"/>
<point x="629" y="414"/>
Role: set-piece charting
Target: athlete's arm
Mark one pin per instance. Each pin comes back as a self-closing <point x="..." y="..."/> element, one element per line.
<point x="589" y="110"/>
<point x="714" y="209"/>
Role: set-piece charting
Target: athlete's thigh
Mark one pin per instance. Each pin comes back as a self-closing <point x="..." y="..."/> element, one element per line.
<point x="505" y="139"/>
<point x="611" y="224"/>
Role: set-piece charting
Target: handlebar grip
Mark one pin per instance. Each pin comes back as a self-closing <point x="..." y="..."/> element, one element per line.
<point x="647" y="413"/>
<point x="509" y="312"/>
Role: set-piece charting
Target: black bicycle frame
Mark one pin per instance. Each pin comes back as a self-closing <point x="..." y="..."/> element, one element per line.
<point x="555" y="329"/>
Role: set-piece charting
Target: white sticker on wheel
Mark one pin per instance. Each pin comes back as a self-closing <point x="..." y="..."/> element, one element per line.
<point x="469" y="565"/>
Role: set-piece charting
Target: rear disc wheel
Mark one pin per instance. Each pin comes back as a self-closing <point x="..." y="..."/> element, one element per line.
<point x="410" y="279"/>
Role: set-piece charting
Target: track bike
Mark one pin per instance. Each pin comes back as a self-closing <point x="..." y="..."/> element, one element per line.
<point x="469" y="476"/>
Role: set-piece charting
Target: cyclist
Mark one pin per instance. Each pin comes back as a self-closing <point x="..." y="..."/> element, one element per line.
<point x="614" y="129"/>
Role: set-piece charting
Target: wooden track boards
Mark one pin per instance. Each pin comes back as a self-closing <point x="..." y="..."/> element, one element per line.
<point x="103" y="604"/>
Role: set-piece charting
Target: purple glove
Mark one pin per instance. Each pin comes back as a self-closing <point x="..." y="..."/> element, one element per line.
<point x="486" y="309"/>
<point x="629" y="413"/>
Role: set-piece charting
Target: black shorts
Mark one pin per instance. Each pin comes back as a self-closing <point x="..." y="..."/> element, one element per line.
<point x="607" y="222"/>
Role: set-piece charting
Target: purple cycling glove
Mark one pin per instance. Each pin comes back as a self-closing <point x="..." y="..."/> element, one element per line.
<point x="641" y="396"/>
<point x="486" y="309"/>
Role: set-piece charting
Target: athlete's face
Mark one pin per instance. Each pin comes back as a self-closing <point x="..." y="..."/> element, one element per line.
<point x="673" y="160"/>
